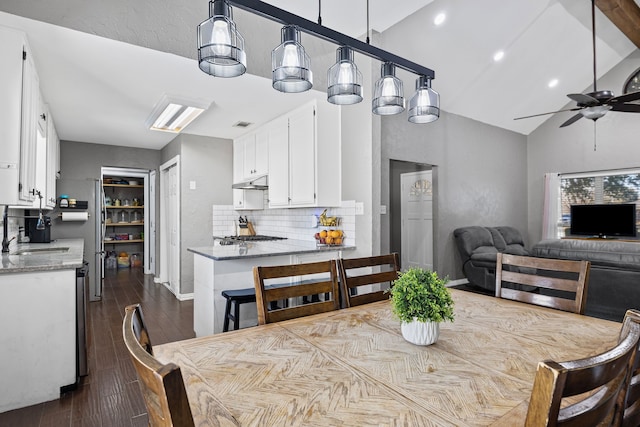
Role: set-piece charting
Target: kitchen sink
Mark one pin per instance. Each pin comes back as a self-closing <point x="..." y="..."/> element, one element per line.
<point x="40" y="251"/>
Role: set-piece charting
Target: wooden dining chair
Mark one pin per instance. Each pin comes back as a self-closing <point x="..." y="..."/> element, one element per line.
<point x="162" y="386"/>
<point x="585" y="392"/>
<point x="632" y="406"/>
<point x="303" y="282"/>
<point x="556" y="283"/>
<point x="358" y="272"/>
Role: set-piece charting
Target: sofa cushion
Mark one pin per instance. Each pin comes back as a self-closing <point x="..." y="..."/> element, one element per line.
<point x="498" y="240"/>
<point x="613" y="254"/>
<point x="484" y="256"/>
<point x="471" y="238"/>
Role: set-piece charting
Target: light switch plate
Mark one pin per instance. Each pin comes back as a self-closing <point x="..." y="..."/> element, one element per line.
<point x="383" y="209"/>
<point x="192" y="185"/>
<point x="359" y="208"/>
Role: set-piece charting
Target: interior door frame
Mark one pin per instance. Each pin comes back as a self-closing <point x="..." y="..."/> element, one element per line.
<point x="164" y="239"/>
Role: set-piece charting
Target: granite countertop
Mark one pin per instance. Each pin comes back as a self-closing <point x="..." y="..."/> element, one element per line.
<point x="60" y="254"/>
<point x="264" y="249"/>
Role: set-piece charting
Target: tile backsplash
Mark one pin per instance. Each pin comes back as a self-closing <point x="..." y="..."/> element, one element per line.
<point x="292" y="223"/>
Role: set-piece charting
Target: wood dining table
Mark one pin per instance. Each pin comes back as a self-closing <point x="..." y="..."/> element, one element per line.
<point x="352" y="367"/>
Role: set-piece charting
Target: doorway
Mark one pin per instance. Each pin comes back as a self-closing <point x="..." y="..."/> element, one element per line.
<point x="170" y="225"/>
<point x="412" y="205"/>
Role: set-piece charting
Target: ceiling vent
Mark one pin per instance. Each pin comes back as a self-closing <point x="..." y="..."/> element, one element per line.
<point x="242" y="124"/>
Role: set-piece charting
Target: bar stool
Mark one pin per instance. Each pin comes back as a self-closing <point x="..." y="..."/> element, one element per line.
<point x="237" y="297"/>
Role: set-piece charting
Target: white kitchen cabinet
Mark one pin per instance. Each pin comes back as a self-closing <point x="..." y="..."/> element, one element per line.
<point x="19" y="105"/>
<point x="305" y="158"/>
<point x="250" y="156"/>
<point x="53" y="161"/>
<point x="248" y="199"/>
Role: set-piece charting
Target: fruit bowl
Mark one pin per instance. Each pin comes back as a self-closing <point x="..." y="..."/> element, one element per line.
<point x="329" y="238"/>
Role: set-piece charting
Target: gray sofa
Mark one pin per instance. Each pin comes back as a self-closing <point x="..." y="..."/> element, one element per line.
<point x="478" y="248"/>
<point x="614" y="281"/>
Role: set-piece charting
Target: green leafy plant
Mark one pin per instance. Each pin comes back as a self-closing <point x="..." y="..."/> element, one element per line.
<point x="421" y="294"/>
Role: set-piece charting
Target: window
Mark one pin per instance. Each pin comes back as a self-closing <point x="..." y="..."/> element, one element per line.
<point x="597" y="188"/>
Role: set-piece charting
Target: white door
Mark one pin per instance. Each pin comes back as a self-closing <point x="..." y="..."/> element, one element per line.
<point x="170" y="224"/>
<point x="417" y="220"/>
<point x="151" y="253"/>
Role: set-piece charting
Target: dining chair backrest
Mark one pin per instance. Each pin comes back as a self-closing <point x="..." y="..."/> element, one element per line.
<point x="358" y="272"/>
<point x="309" y="279"/>
<point x="632" y="405"/>
<point x="604" y="378"/>
<point x="556" y="283"/>
<point x="162" y="386"/>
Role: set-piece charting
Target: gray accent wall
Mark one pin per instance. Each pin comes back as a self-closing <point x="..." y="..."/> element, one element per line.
<point x="481" y="177"/>
<point x="571" y="149"/>
<point x="209" y="163"/>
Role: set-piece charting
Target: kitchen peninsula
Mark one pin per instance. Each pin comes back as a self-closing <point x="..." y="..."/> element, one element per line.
<point x="217" y="268"/>
<point x="38" y="311"/>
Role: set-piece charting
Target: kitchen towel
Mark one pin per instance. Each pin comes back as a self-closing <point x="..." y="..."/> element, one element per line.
<point x="75" y="216"/>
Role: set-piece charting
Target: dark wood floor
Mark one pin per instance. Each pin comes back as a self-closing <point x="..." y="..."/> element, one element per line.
<point x="110" y="395"/>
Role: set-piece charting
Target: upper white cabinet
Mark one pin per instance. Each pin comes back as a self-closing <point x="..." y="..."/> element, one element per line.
<point x="53" y="161"/>
<point x="21" y="108"/>
<point x="250" y="158"/>
<point x="305" y="157"/>
<point x="248" y="199"/>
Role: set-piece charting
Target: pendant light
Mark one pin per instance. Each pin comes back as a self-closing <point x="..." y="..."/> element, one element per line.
<point x="290" y="63"/>
<point x="344" y="79"/>
<point x="424" y="106"/>
<point x="220" y="45"/>
<point x="388" y="95"/>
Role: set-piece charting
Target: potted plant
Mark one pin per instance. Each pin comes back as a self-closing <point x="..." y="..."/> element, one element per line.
<point x="420" y="299"/>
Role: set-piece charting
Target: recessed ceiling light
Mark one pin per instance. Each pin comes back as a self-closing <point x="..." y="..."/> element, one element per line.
<point x="553" y="83"/>
<point x="172" y="114"/>
<point x="498" y="55"/>
<point x="440" y="18"/>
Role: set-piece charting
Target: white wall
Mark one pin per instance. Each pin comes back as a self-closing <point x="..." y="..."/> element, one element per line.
<point x="570" y="149"/>
<point x="480" y="178"/>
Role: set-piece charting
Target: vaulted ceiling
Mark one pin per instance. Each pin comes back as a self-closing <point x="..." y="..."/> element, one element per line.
<point x="104" y="65"/>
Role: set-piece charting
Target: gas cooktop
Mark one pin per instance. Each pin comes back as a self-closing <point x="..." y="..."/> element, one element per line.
<point x="232" y="240"/>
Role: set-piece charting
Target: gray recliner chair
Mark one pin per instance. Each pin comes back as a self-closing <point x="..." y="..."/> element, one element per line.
<point x="478" y="247"/>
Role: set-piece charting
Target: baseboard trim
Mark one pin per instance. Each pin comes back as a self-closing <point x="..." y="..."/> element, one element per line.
<point x="457" y="282"/>
<point x="185" y="297"/>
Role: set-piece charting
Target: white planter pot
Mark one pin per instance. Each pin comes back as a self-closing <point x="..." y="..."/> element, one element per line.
<point x="420" y="333"/>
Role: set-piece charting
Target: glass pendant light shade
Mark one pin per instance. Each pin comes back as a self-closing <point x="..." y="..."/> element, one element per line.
<point x="388" y="95"/>
<point x="424" y="106"/>
<point x="290" y="63"/>
<point x="220" y="45"/>
<point x="344" y="79"/>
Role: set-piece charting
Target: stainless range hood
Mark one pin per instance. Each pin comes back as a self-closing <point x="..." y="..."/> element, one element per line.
<point x="259" y="183"/>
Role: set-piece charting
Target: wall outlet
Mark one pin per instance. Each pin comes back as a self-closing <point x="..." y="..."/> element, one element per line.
<point x="359" y="208"/>
<point x="383" y="209"/>
<point x="192" y="185"/>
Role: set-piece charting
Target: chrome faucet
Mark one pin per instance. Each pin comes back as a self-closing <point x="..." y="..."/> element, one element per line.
<point x="5" y="230"/>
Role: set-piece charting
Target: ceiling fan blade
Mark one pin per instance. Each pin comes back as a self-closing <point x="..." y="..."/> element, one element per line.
<point x="572" y="120"/>
<point x="626" y="108"/>
<point x="627" y="97"/>
<point x="581" y="98"/>
<point x="551" y="112"/>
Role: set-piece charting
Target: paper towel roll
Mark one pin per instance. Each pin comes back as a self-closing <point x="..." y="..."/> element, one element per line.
<point x="75" y="216"/>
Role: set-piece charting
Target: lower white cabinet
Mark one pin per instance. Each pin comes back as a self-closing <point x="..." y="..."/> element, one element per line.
<point x="248" y="199"/>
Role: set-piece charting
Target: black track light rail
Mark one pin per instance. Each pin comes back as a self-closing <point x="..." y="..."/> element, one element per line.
<point x="282" y="16"/>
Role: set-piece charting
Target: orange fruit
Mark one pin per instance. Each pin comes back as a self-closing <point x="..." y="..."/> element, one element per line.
<point x="323" y="233"/>
<point x="329" y="240"/>
<point x="335" y="234"/>
<point x="337" y="241"/>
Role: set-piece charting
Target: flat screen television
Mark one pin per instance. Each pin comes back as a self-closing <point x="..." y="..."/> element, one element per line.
<point x="611" y="220"/>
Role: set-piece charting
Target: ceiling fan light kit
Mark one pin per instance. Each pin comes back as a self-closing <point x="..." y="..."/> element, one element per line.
<point x="220" y="45"/>
<point x="596" y="104"/>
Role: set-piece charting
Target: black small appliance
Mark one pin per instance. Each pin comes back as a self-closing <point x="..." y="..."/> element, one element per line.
<point x="39" y="236"/>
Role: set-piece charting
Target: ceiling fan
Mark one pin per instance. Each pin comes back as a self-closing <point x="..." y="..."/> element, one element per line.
<point x="596" y="104"/>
